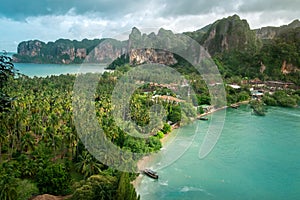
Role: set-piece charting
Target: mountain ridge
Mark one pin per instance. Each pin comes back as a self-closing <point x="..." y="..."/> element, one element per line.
<point x="236" y="49"/>
<point x="225" y="34"/>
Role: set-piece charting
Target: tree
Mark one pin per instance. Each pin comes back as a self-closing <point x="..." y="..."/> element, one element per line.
<point x="3" y="137"/>
<point x="26" y="189"/>
<point x="96" y="187"/>
<point x="258" y="107"/>
<point x="7" y="71"/>
<point x="54" y="179"/>
<point x="125" y="190"/>
<point x="175" y="115"/>
<point x="27" y="142"/>
<point x="154" y="143"/>
<point x="284" y="99"/>
<point x="88" y="165"/>
<point x="243" y="96"/>
<point x="166" y="128"/>
<point x="8" y="186"/>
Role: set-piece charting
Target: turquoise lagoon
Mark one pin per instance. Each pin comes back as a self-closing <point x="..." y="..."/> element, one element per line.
<point x="255" y="158"/>
<point x="43" y="70"/>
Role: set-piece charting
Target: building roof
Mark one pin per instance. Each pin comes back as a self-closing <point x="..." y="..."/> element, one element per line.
<point x="234" y="86"/>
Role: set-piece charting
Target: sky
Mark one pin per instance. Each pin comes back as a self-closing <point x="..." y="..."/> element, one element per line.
<point x="49" y="20"/>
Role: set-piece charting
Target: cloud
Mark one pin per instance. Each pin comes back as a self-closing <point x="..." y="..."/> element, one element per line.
<point x="114" y="9"/>
<point x="199" y="7"/>
<point x="21" y="9"/>
<point x="49" y="20"/>
<point x="269" y="6"/>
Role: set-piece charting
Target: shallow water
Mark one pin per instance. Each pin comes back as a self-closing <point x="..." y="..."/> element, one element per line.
<point x="43" y="70"/>
<point x="255" y="158"/>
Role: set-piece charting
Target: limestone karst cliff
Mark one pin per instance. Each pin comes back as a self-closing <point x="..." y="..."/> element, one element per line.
<point x="268" y="50"/>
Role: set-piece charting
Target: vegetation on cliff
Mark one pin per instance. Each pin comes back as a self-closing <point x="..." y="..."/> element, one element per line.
<point x="239" y="51"/>
<point x="65" y="51"/>
<point x="269" y="53"/>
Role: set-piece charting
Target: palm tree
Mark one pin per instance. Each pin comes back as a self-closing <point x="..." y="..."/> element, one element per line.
<point x="2" y="140"/>
<point x="69" y="138"/>
<point x="8" y="188"/>
<point x="88" y="165"/>
<point x="27" y="142"/>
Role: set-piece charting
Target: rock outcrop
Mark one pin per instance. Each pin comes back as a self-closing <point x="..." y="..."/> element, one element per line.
<point x="229" y="34"/>
<point x="151" y="48"/>
<point x="288" y="68"/>
<point x="141" y="56"/>
<point x="269" y="33"/>
<point x="30" y="48"/>
<point x="107" y="51"/>
<point x="225" y="35"/>
<point x="262" y="68"/>
<point x="65" y="51"/>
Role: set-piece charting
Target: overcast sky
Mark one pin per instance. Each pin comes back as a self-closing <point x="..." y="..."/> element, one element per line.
<point x="48" y="20"/>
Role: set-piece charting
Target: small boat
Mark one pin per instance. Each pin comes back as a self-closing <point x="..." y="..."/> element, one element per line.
<point x="235" y="106"/>
<point x="151" y="173"/>
<point x="203" y="118"/>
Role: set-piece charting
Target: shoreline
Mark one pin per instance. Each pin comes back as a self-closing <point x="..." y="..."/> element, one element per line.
<point x="141" y="164"/>
<point x="224" y="107"/>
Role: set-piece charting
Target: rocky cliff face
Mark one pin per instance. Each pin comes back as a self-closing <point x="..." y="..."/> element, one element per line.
<point x="288" y="68"/>
<point x="107" y="51"/>
<point x="66" y="51"/>
<point x="225" y="35"/>
<point x="229" y="34"/>
<point x="269" y="33"/>
<point x="141" y="56"/>
<point x="150" y="48"/>
<point x="140" y="48"/>
<point x="30" y="48"/>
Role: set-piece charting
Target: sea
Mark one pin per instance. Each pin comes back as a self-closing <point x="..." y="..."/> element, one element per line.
<point x="255" y="157"/>
<point x="43" y="70"/>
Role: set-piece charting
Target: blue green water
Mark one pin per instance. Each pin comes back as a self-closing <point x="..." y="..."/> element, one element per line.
<point x="255" y="158"/>
<point x="43" y="70"/>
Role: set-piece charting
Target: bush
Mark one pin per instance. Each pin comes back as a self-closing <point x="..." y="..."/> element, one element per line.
<point x="154" y="143"/>
<point x="200" y="110"/>
<point x="284" y="99"/>
<point x="160" y="134"/>
<point x="54" y="179"/>
<point x="243" y="96"/>
<point x="96" y="187"/>
<point x="26" y="189"/>
<point x="167" y="128"/>
<point x="174" y="114"/>
<point x="269" y="100"/>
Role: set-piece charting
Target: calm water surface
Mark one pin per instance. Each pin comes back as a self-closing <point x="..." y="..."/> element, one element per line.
<point x="43" y="70"/>
<point x="255" y="158"/>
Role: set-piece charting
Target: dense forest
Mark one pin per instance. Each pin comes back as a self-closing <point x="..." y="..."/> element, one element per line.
<point x="40" y="151"/>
